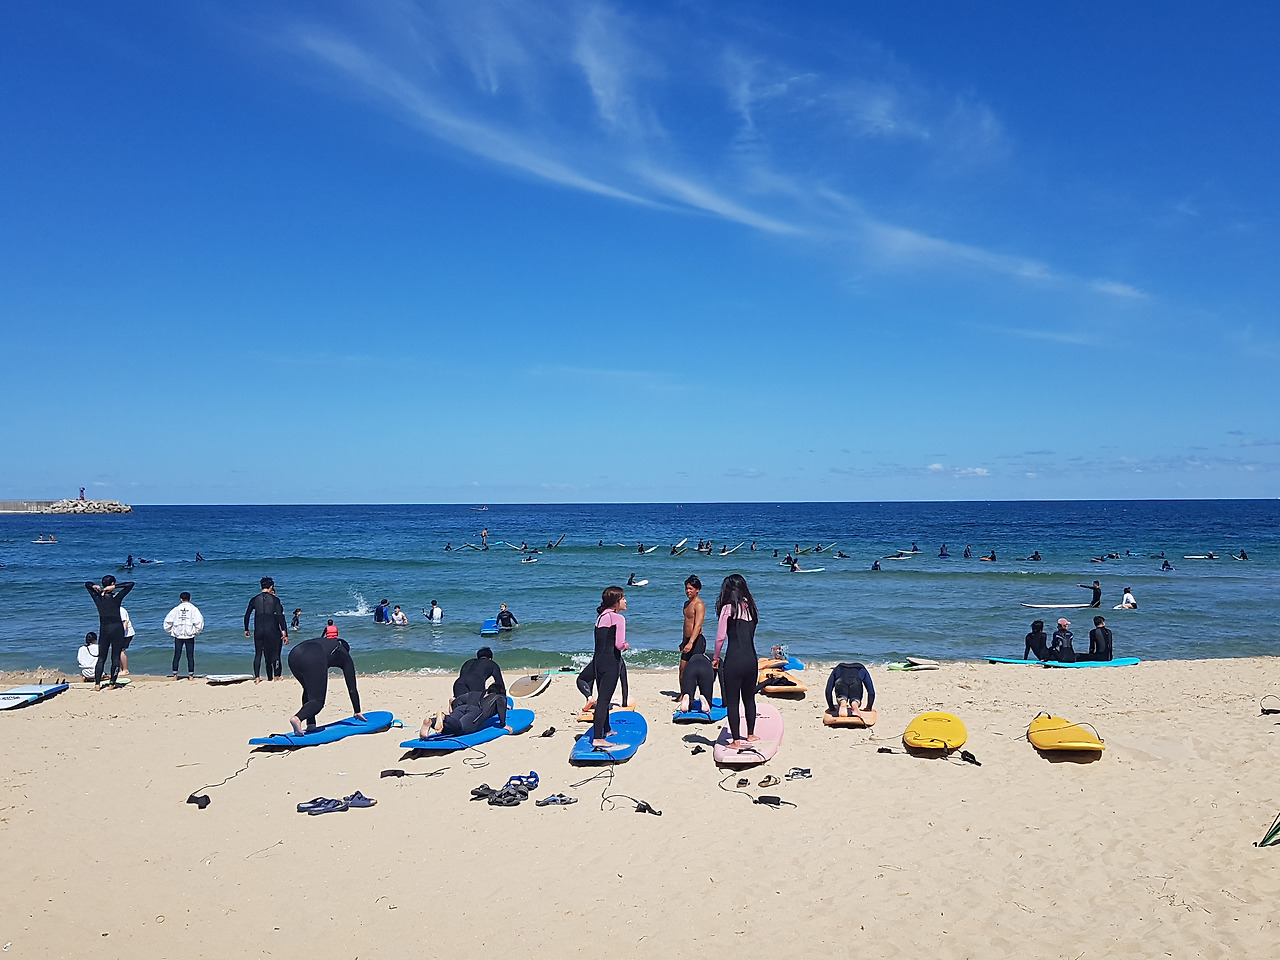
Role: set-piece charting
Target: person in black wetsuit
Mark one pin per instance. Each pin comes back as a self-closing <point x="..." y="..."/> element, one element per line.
<point x="587" y="679"/>
<point x="381" y="613"/>
<point x="847" y="682"/>
<point x="610" y="641"/>
<point x="1097" y="592"/>
<point x="107" y="597"/>
<point x="1061" y="648"/>
<point x="476" y="674"/>
<point x="1037" y="642"/>
<point x="128" y="563"/>
<point x="1100" y="641"/>
<point x="309" y="662"/>
<point x="270" y="631"/>
<point x="506" y="619"/>
<point x="468" y="713"/>
<point x="738" y="617"/>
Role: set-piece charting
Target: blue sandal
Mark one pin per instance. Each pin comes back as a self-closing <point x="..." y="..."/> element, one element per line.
<point x="529" y="783"/>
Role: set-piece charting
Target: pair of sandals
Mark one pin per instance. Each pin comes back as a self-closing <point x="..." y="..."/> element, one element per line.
<point x="555" y="800"/>
<point x="769" y="781"/>
<point x="799" y="773"/>
<point x="325" y="805"/>
<point x="513" y="793"/>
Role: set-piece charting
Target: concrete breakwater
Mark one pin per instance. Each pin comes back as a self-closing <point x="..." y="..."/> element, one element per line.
<point x="64" y="506"/>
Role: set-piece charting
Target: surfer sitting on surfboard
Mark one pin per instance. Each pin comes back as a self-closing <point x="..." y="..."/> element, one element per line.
<point x="1100" y="641"/>
<point x="1061" y="649"/>
<point x="1128" y="602"/>
<point x="847" y="682"/>
<point x="467" y="713"/>
<point x="1037" y="642"/>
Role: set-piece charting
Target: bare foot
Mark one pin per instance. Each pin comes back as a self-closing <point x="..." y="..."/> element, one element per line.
<point x="752" y="738"/>
<point x="604" y="745"/>
<point x="844" y="709"/>
<point x="296" y="724"/>
<point x="97" y="686"/>
<point x="684" y="705"/>
<point x="257" y="679"/>
<point x="175" y="676"/>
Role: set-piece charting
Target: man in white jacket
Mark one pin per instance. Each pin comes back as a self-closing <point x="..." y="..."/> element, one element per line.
<point x="183" y="623"/>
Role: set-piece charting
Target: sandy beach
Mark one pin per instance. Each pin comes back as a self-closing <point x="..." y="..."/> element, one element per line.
<point x="1146" y="852"/>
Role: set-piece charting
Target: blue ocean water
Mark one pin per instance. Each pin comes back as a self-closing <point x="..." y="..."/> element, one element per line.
<point x="338" y="561"/>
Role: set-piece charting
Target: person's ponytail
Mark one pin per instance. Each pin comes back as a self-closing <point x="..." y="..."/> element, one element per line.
<point x="609" y="599"/>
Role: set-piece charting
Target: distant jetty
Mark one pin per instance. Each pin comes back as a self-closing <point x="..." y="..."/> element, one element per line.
<point x="64" y="506"/>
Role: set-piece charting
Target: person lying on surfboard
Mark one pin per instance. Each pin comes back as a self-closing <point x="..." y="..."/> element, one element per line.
<point x="467" y="714"/>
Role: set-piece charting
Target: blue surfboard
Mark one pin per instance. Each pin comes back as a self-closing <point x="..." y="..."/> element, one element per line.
<point x="793" y="663"/>
<point x="518" y="720"/>
<point x="1117" y="662"/>
<point x="375" y="721"/>
<point x="31" y="693"/>
<point x="718" y="713"/>
<point x="489" y="628"/>
<point x="1032" y="661"/>
<point x="629" y="731"/>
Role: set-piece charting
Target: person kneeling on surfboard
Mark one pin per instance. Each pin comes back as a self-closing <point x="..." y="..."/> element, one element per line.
<point x="1128" y="602"/>
<point x="1061" y="648"/>
<point x="1037" y="642"/>
<point x="847" y="682"/>
<point x="309" y="662"/>
<point x="467" y="714"/>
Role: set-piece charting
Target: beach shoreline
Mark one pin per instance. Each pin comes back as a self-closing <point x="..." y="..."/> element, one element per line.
<point x="1146" y="851"/>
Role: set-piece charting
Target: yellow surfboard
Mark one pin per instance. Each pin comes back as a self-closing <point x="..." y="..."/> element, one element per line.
<point x="1054" y="733"/>
<point x="935" y="731"/>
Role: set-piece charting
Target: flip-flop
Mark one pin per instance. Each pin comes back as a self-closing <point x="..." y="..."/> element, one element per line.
<point x="332" y="806"/>
<point x="483" y="792"/>
<point x="555" y="800"/>
<point x="770" y="781"/>
<point x="743" y="782"/>
<point x="550" y="731"/>
<point x="358" y="799"/>
<point x="507" y="798"/>
<point x="799" y="773"/>
<point x="310" y="805"/>
<point x="529" y="783"/>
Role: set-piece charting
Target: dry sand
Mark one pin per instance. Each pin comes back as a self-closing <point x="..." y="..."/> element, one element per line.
<point x="1145" y="853"/>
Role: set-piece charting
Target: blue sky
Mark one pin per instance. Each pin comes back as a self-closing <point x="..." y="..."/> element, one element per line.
<point x="483" y="252"/>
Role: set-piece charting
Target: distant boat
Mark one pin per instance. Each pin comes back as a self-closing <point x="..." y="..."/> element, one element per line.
<point x="479" y="508"/>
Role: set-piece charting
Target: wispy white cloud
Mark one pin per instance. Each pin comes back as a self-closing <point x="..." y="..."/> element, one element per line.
<point x="590" y="98"/>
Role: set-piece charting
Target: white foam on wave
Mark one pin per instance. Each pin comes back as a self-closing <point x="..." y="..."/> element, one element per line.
<point x="362" y="608"/>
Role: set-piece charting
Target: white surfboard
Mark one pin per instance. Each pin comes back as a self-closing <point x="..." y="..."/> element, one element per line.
<point x="1057" y="606"/>
<point x="639" y="583"/>
<point x="651" y="549"/>
<point x="677" y="546"/>
<point x="219" y="679"/>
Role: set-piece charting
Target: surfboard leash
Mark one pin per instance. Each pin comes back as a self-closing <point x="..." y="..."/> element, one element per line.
<point x="202" y="800"/>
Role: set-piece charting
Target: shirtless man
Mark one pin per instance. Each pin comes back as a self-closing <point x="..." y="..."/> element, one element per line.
<point x="695" y="611"/>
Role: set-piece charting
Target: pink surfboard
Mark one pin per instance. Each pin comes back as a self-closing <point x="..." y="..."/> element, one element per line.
<point x="769" y="728"/>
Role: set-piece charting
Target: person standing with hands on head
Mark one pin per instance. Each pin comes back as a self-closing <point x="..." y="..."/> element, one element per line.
<point x="1097" y="592"/>
<point x="107" y="597"/>
<point x="610" y="641"/>
<point x="270" y="632"/>
<point x="184" y="623"/>
<point x="736" y="611"/>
